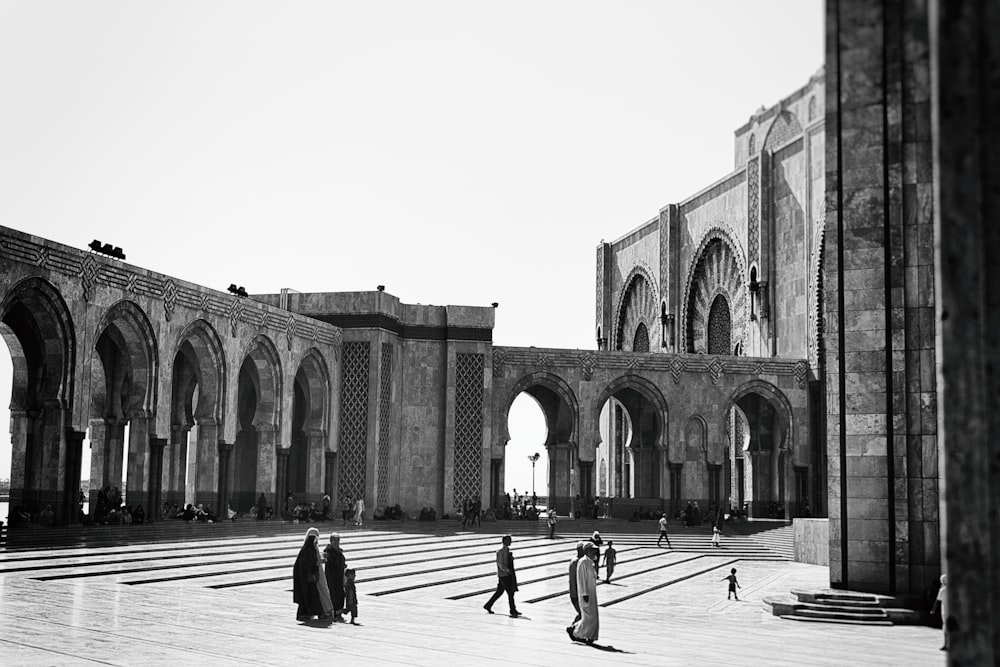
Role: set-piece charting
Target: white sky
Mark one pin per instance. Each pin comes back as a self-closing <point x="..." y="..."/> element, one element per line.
<point x="458" y="152"/>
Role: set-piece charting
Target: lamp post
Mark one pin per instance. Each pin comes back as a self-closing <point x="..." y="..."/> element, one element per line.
<point x="534" y="459"/>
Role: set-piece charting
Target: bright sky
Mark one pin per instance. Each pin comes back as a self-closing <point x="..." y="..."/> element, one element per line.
<point x="458" y="152"/>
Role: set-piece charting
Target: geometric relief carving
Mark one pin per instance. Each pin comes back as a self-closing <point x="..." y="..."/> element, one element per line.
<point x="384" y="431"/>
<point x="720" y="327"/>
<point x="169" y="297"/>
<point x="639" y="306"/>
<point x="235" y="312"/>
<point x="718" y="270"/>
<point x="468" y="427"/>
<point x="677" y="369"/>
<point x="88" y="275"/>
<point x="498" y="361"/>
<point x="353" y="447"/>
<point x="715" y="369"/>
<point x="753" y="211"/>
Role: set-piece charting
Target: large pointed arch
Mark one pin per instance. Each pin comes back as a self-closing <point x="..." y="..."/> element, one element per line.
<point x="37" y="326"/>
<point x="717" y="268"/>
<point x="558" y="403"/>
<point x="262" y="355"/>
<point x="126" y="323"/>
<point x="638" y="305"/>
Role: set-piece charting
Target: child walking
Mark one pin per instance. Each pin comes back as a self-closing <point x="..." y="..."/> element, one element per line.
<point x="351" y="595"/>
<point x="715" y="536"/>
<point x="610" y="558"/>
<point x="733" y="584"/>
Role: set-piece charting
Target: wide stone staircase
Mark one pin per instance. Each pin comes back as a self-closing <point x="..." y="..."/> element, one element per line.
<point x="834" y="606"/>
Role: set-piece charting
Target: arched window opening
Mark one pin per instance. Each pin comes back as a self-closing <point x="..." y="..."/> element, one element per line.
<point x="528" y="436"/>
<point x="720" y="327"/>
<point x="640" y="342"/>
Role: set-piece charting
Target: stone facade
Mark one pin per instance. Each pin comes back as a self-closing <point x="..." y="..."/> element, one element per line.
<point x="734" y="270"/>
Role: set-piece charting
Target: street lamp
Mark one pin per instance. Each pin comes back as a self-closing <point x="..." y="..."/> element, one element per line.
<point x="534" y="459"/>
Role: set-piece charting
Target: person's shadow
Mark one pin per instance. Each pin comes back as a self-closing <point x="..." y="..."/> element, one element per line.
<point x="609" y="648"/>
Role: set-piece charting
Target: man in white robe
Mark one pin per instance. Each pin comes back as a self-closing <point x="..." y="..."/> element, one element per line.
<point x="586" y="629"/>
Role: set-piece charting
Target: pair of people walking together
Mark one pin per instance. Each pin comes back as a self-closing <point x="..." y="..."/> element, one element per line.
<point x="326" y="593"/>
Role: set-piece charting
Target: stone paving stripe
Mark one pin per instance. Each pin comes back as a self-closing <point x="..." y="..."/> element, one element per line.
<point x="623" y="576"/>
<point x="667" y="583"/>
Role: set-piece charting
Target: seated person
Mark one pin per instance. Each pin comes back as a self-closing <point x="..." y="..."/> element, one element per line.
<point x="127" y="516"/>
<point x="113" y="518"/>
<point x="301" y="512"/>
<point x="47" y="517"/>
<point x="187" y="514"/>
<point x="139" y="515"/>
<point x="315" y="514"/>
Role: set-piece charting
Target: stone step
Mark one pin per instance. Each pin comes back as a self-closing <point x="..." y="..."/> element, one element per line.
<point x="792" y="617"/>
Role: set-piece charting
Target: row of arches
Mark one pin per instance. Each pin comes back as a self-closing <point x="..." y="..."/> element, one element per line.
<point x="115" y="372"/>
<point x="742" y="455"/>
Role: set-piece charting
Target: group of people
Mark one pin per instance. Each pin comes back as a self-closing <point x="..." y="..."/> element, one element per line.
<point x="583" y="578"/>
<point x="472" y="510"/>
<point x="322" y="584"/>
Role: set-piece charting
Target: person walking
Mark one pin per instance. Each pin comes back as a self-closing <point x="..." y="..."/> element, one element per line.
<point x="610" y="559"/>
<point x="663" y="531"/>
<point x="588" y="627"/>
<point x="359" y="511"/>
<point x="321" y="582"/>
<point x="305" y="581"/>
<point x="336" y="564"/>
<point x="552" y="523"/>
<point x="507" y="579"/>
<point x="574" y="596"/>
<point x="733" y="584"/>
<point x="261" y="507"/>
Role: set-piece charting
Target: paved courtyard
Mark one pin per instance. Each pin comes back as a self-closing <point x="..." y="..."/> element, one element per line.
<point x="200" y="596"/>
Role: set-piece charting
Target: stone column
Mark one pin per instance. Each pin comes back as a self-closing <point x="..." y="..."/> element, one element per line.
<point x="330" y="476"/>
<point x="156" y="448"/>
<point x="281" y="480"/>
<point x="138" y="478"/>
<point x="225" y="455"/>
<point x="175" y="467"/>
<point x="51" y="452"/>
<point x="69" y="510"/>
<point x="114" y="451"/>
<point x="207" y="473"/>
<point x="880" y="299"/>
<point x="315" y="466"/>
<point x="266" y="473"/>
<point x="19" y="458"/>
<point x="966" y="98"/>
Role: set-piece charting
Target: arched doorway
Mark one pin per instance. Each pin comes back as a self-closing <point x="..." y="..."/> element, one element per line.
<point x="556" y="476"/>
<point x="122" y="403"/>
<point x="633" y="421"/>
<point x="257" y="405"/>
<point x="304" y="470"/>
<point x="191" y="462"/>
<point x="36" y="326"/>
<point x="760" y="425"/>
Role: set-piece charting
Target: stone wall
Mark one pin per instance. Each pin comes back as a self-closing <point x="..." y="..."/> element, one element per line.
<point x="812" y="541"/>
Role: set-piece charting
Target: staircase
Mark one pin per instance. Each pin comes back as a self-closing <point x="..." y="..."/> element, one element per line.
<point x="830" y="606"/>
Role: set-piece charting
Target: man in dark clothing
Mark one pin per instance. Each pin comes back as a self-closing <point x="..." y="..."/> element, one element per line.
<point x="336" y="563"/>
<point x="507" y="579"/>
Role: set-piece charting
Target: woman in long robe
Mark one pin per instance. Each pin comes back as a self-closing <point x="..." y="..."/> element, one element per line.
<point x="586" y="629"/>
<point x="305" y="581"/>
<point x="324" y="589"/>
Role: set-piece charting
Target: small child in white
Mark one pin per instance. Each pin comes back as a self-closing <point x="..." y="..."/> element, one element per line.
<point x="733" y="584"/>
<point x="715" y="536"/>
<point x="350" y="595"/>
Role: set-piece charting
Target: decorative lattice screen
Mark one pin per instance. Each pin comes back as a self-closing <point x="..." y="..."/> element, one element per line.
<point x="353" y="448"/>
<point x="384" y="414"/>
<point x="468" y="427"/>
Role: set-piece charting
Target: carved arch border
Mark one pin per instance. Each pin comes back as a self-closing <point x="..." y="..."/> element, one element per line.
<point x="722" y="232"/>
<point x="647" y="389"/>
<point x="639" y="270"/>
<point x="139" y="332"/>
<point x="314" y="368"/>
<point x="778" y="401"/>
<point x="262" y="353"/>
<point x="550" y="381"/>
